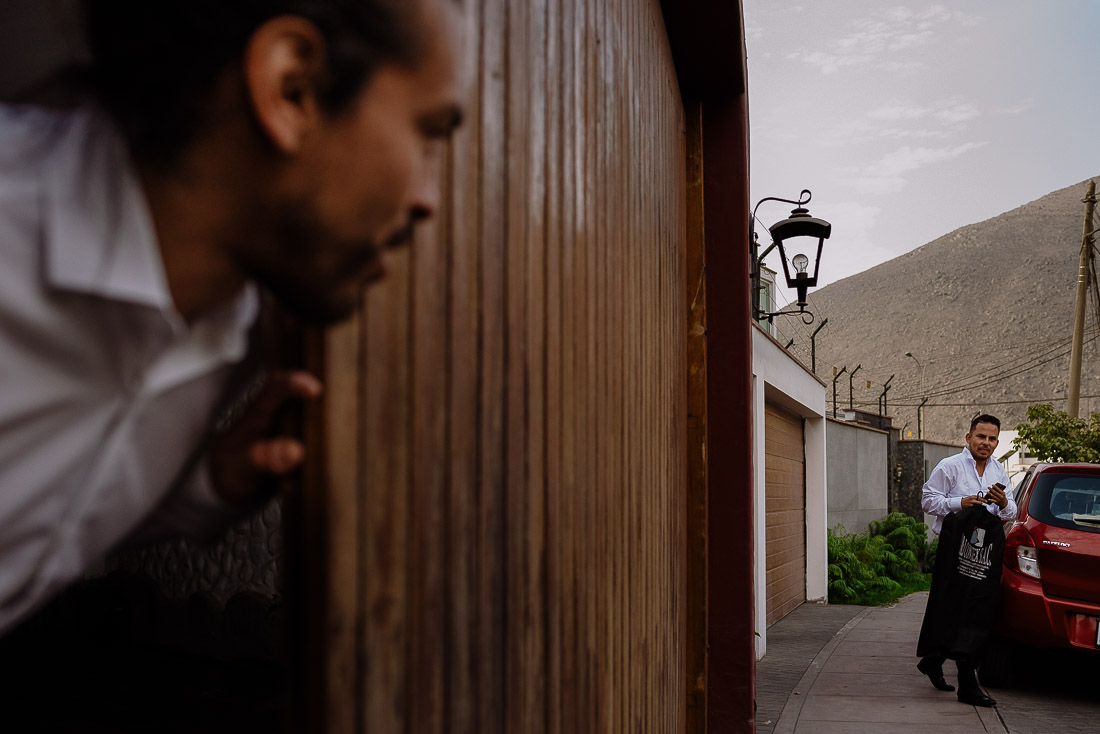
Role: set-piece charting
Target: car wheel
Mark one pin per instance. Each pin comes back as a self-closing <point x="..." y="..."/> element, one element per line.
<point x="997" y="663"/>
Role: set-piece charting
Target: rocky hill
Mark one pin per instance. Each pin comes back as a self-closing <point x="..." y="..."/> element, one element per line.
<point x="986" y="309"/>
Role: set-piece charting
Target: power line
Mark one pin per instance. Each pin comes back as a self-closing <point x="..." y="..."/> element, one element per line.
<point x="1035" y="356"/>
<point x="978" y="403"/>
<point x="932" y="357"/>
<point x="1028" y="362"/>
<point x="1062" y="352"/>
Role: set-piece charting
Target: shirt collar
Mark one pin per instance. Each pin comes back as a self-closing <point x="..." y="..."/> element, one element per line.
<point x="99" y="234"/>
<point x="991" y="461"/>
<point x="98" y="231"/>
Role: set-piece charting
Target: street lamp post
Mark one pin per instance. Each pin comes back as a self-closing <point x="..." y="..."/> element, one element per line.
<point x="920" y="408"/>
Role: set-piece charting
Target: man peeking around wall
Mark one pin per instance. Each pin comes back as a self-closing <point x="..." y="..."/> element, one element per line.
<point x="230" y="147"/>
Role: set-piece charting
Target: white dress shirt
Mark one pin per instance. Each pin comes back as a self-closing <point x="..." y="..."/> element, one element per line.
<point x="957" y="477"/>
<point x="105" y="391"/>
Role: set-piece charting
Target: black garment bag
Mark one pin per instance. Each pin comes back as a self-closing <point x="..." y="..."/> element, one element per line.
<point x="966" y="584"/>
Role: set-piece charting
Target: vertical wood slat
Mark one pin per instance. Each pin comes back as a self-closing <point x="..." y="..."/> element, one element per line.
<point x="516" y="621"/>
<point x="553" y="174"/>
<point x="570" y="701"/>
<point x="461" y="532"/>
<point x="427" y="464"/>
<point x="491" y="556"/>
<point x="385" y="361"/>
<point x="343" y="627"/>
<point x="506" y="421"/>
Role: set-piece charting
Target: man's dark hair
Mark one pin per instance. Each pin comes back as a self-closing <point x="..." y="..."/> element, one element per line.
<point x="157" y="61"/>
<point x="985" y="418"/>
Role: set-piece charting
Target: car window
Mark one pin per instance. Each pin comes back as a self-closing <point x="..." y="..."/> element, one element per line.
<point x="1022" y="486"/>
<point x="1067" y="500"/>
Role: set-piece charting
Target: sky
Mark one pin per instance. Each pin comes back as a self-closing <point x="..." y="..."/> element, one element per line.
<point x="908" y="121"/>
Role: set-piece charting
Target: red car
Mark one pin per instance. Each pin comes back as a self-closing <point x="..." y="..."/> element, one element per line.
<point x="1051" y="580"/>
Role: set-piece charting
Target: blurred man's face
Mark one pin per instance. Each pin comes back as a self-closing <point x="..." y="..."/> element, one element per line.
<point x="982" y="440"/>
<point x="374" y="170"/>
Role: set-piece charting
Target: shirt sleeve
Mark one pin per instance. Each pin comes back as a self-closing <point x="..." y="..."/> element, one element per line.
<point x="193" y="510"/>
<point x="935" y="499"/>
<point x="1009" y="511"/>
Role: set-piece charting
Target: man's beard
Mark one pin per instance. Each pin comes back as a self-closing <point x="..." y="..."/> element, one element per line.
<point x="313" y="289"/>
<point x="310" y="304"/>
<point x="311" y="275"/>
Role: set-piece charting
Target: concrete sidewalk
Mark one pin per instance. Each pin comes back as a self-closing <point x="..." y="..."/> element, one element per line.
<point x="865" y="679"/>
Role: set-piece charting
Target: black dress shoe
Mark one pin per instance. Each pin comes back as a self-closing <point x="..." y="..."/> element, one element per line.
<point x="976" y="698"/>
<point x="936" y="676"/>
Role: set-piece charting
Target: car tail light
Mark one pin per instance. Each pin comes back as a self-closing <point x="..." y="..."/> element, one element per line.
<point x="1020" y="552"/>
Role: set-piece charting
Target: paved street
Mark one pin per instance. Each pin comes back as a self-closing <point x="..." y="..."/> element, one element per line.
<point x="793" y="643"/>
<point x="1057" y="692"/>
<point x="853" y="669"/>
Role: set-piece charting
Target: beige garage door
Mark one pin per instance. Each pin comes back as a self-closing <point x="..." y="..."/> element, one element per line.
<point x="785" y="511"/>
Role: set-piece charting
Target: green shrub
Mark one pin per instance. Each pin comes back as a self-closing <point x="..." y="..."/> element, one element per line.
<point x="880" y="566"/>
<point x="904" y="534"/>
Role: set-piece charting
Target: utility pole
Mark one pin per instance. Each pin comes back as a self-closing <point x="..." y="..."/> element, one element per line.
<point x="836" y="375"/>
<point x="813" y="346"/>
<point x="851" y="406"/>
<point x="920" y="410"/>
<point x="1073" y="401"/>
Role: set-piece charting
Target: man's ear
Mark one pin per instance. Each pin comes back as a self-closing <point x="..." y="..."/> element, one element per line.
<point x="283" y="64"/>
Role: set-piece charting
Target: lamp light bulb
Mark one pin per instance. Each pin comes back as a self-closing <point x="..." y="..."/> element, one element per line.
<point x="800" y="262"/>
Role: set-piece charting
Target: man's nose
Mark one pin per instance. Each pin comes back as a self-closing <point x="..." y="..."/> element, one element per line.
<point x="425" y="203"/>
<point x="425" y="195"/>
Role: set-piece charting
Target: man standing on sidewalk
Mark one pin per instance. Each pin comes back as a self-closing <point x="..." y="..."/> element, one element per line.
<point x="962" y="603"/>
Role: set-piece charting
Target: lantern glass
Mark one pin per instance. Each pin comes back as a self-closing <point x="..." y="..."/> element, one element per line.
<point x="810" y="234"/>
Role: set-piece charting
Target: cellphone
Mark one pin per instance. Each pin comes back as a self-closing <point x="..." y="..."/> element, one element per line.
<point x="1000" y="486"/>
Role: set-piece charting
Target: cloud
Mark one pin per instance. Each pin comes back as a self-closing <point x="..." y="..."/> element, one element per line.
<point x="1016" y="110"/>
<point x="771" y="15"/>
<point x="754" y="33"/>
<point x="903" y="41"/>
<point x="898" y="111"/>
<point x="907" y="159"/>
<point x="957" y="112"/>
<point x="951" y="111"/>
<point x="896" y="120"/>
<point x="887" y="175"/>
<point x="828" y="63"/>
<point x="883" y="33"/>
<point x="947" y="116"/>
<point x="905" y="68"/>
<point x="900" y="133"/>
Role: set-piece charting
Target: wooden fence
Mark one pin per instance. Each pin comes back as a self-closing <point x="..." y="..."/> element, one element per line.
<point x="493" y="525"/>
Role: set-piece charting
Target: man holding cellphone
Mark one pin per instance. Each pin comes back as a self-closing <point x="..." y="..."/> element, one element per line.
<point x="971" y="477"/>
